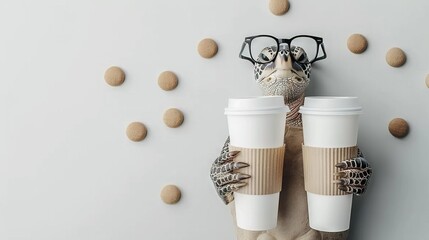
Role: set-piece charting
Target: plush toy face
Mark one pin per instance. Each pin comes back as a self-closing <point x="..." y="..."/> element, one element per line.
<point x="283" y="76"/>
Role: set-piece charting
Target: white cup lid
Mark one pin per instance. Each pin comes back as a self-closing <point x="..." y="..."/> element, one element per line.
<point x="331" y="105"/>
<point x="256" y="105"/>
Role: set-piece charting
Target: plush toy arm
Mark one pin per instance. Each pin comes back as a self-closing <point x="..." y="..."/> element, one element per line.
<point x="223" y="176"/>
<point x="354" y="174"/>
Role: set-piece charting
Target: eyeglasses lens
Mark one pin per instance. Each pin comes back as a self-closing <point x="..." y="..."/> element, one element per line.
<point x="309" y="45"/>
<point x="263" y="49"/>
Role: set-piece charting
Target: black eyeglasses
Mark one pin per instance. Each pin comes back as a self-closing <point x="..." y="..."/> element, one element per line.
<point x="264" y="48"/>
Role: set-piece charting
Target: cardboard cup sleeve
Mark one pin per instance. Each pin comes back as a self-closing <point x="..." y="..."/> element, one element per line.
<point x="319" y="168"/>
<point x="265" y="169"/>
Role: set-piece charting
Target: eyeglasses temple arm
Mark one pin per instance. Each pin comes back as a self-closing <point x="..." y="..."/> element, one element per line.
<point x="244" y="57"/>
<point x="324" y="53"/>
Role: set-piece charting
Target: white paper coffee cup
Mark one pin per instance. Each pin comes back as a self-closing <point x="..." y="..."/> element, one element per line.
<point x="258" y="123"/>
<point x="330" y="122"/>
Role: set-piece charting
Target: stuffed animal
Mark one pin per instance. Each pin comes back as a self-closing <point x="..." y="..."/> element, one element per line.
<point x="282" y="67"/>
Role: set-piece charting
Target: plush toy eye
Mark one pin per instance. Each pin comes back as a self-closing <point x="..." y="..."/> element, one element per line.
<point x="266" y="55"/>
<point x="263" y="57"/>
<point x="302" y="58"/>
<point x="300" y="55"/>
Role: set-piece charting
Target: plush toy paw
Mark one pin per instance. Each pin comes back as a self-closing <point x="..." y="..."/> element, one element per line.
<point x="354" y="175"/>
<point x="225" y="180"/>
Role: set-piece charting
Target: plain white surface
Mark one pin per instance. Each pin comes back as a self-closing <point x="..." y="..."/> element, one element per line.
<point x="257" y="131"/>
<point x="256" y="212"/>
<point x="68" y="171"/>
<point x="332" y="123"/>
<point x="329" y="213"/>
<point x="258" y="123"/>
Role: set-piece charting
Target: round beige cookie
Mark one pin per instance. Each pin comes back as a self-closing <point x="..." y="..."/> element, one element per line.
<point x="357" y="43"/>
<point x="395" y="57"/>
<point x="427" y="80"/>
<point x="278" y="7"/>
<point x="114" y="76"/>
<point x="207" y="48"/>
<point x="168" y="80"/>
<point x="171" y="194"/>
<point x="173" y="117"/>
<point x="399" y="128"/>
<point x="136" y="131"/>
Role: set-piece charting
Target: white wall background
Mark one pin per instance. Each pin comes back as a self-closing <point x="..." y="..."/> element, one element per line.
<point x="67" y="170"/>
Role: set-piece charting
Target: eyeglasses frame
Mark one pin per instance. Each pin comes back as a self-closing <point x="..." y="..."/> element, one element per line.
<point x="248" y="41"/>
